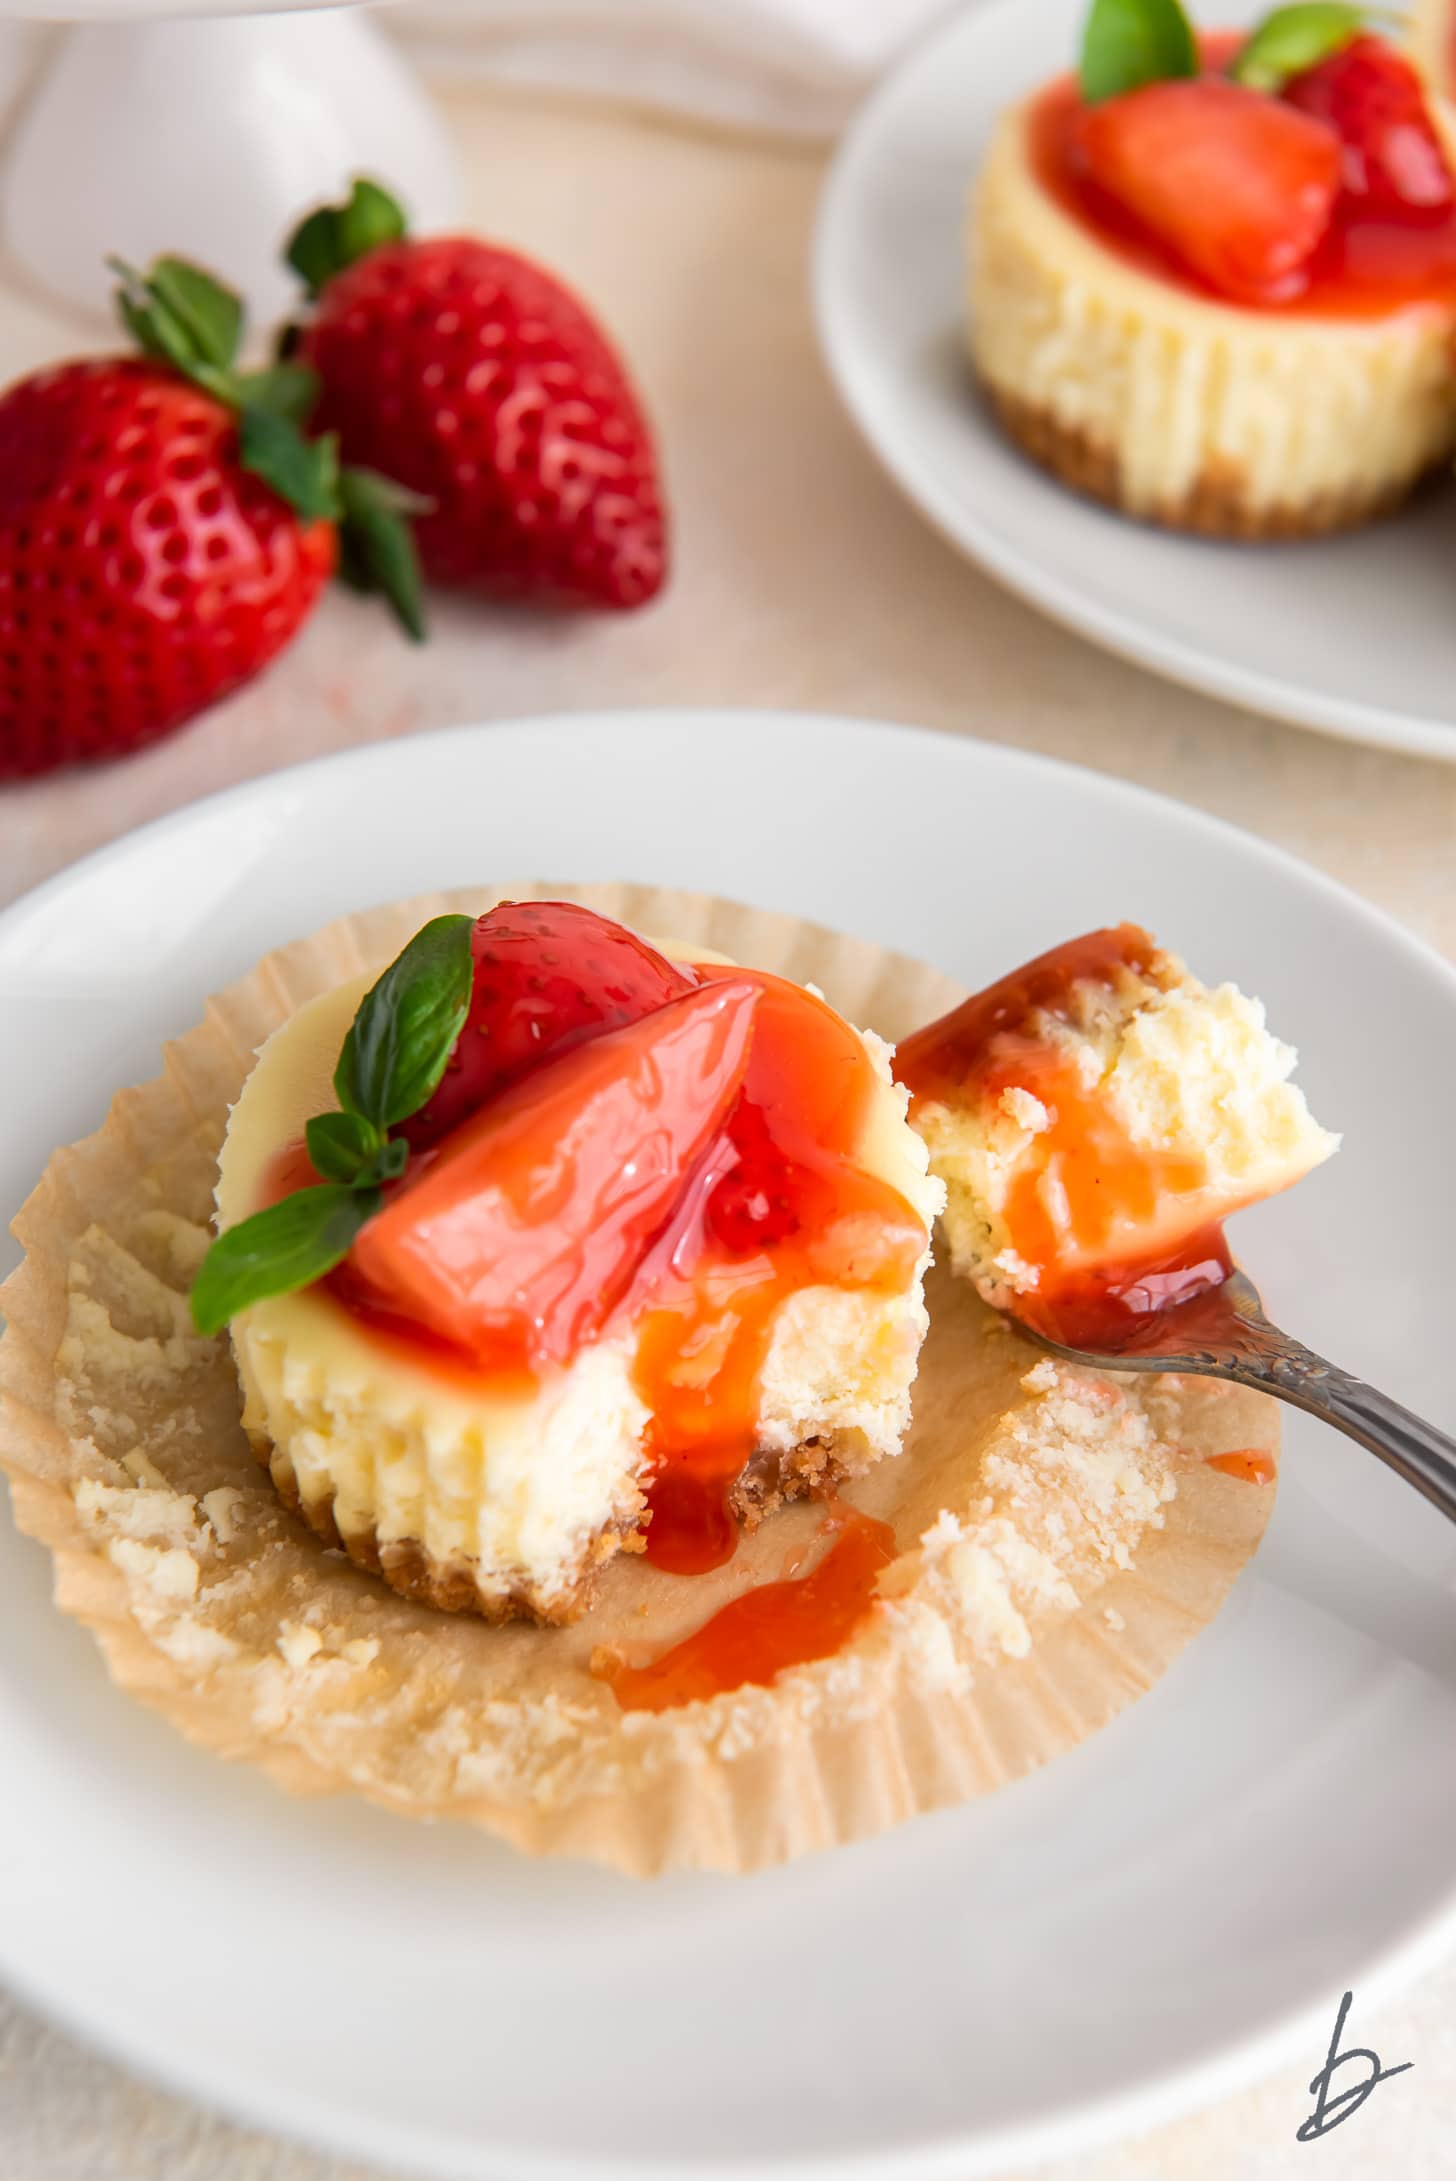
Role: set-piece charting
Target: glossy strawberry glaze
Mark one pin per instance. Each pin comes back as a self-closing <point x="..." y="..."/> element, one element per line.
<point x="767" y="1629"/>
<point x="412" y="1343"/>
<point x="1107" y="1186"/>
<point x="1246" y="1462"/>
<point x="787" y="1204"/>
<point x="1368" y="266"/>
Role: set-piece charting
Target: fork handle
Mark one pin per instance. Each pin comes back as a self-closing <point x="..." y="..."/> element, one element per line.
<point x="1406" y="1443"/>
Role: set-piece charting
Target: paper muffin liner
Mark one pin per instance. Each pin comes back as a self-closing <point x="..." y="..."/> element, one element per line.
<point x="1060" y="1533"/>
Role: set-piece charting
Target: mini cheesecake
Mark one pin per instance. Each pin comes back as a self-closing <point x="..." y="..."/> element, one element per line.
<point x="1142" y="361"/>
<point x="1095" y="1116"/>
<point x="656" y="1264"/>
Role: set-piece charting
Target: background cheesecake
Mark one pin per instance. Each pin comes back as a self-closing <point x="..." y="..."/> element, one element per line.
<point x="1204" y="304"/>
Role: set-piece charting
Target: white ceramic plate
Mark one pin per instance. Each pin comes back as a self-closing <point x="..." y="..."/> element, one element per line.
<point x="1356" y="635"/>
<point x="1152" y="1920"/>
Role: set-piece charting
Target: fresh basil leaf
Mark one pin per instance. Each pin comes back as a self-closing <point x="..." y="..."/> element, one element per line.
<point x="389" y="1162"/>
<point x="292" y="1243"/>
<point x="1293" y="39"/>
<point x="1127" y="43"/>
<point x="340" y="1145"/>
<point x="212" y="314"/>
<point x="304" y="472"/>
<point x="407" y="1025"/>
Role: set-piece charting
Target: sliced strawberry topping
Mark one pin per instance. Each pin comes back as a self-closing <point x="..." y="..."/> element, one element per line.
<point x="1375" y="102"/>
<point x="1236" y="185"/>
<point x="524" y="1231"/>
<point x="548" y="975"/>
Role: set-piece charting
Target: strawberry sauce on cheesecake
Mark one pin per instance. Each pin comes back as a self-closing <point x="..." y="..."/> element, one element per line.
<point x="1096" y="1116"/>
<point x="1223" y="294"/>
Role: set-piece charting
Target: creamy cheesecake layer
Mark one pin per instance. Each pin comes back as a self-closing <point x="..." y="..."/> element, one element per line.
<point x="526" y="1491"/>
<point x="1187" y="410"/>
<point x="1192" y="1083"/>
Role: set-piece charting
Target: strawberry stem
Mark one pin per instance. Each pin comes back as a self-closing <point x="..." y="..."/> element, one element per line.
<point x="179" y="314"/>
<point x="337" y="236"/>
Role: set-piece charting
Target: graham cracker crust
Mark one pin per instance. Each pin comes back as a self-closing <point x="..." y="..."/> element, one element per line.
<point x="767" y="1482"/>
<point x="1217" y="506"/>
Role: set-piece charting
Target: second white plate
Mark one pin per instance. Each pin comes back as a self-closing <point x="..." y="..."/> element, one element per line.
<point x="1355" y="635"/>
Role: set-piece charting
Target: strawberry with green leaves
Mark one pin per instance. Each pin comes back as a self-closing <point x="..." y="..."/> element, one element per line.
<point x="166" y="528"/>
<point x="478" y="380"/>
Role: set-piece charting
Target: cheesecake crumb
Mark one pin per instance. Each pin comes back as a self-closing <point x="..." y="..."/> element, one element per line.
<point x="166" y="1571"/>
<point x="222" y="1506"/>
<point x="297" y="1643"/>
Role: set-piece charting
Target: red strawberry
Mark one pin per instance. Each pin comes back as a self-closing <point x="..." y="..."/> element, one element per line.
<point x="143" y="572"/>
<point x="476" y="379"/>
<point x="523" y="1234"/>
<point x="1373" y="99"/>
<point x="548" y="975"/>
<point x="1238" y="186"/>
<point x="165" y="527"/>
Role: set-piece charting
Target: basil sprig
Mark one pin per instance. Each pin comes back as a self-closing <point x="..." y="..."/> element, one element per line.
<point x="395" y="1054"/>
<point x="1295" y="38"/>
<point x="396" y="1051"/>
<point x="1127" y="43"/>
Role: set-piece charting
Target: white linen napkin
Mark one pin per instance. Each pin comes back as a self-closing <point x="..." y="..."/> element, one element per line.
<point x="789" y="65"/>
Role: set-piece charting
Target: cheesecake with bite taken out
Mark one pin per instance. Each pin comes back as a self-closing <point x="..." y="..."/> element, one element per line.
<point x="641" y="1256"/>
<point x="1095" y="1116"/>
<point x="1213" y="282"/>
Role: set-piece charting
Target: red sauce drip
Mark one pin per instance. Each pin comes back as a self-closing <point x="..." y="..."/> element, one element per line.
<point x="755" y="1637"/>
<point x="782" y="1203"/>
<point x="693" y="1528"/>
<point x="1104" y="1307"/>
<point x="1246" y="1462"/>
<point x="1367" y="266"/>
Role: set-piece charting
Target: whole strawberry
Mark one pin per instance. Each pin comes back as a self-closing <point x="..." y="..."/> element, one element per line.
<point x="473" y="377"/>
<point x="547" y="976"/>
<point x="143" y="572"/>
<point x="165" y="528"/>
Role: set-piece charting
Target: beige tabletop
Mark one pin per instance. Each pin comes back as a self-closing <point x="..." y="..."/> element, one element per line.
<point x="801" y="579"/>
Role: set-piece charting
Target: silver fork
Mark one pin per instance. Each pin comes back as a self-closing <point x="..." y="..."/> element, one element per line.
<point x="1223" y="1333"/>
